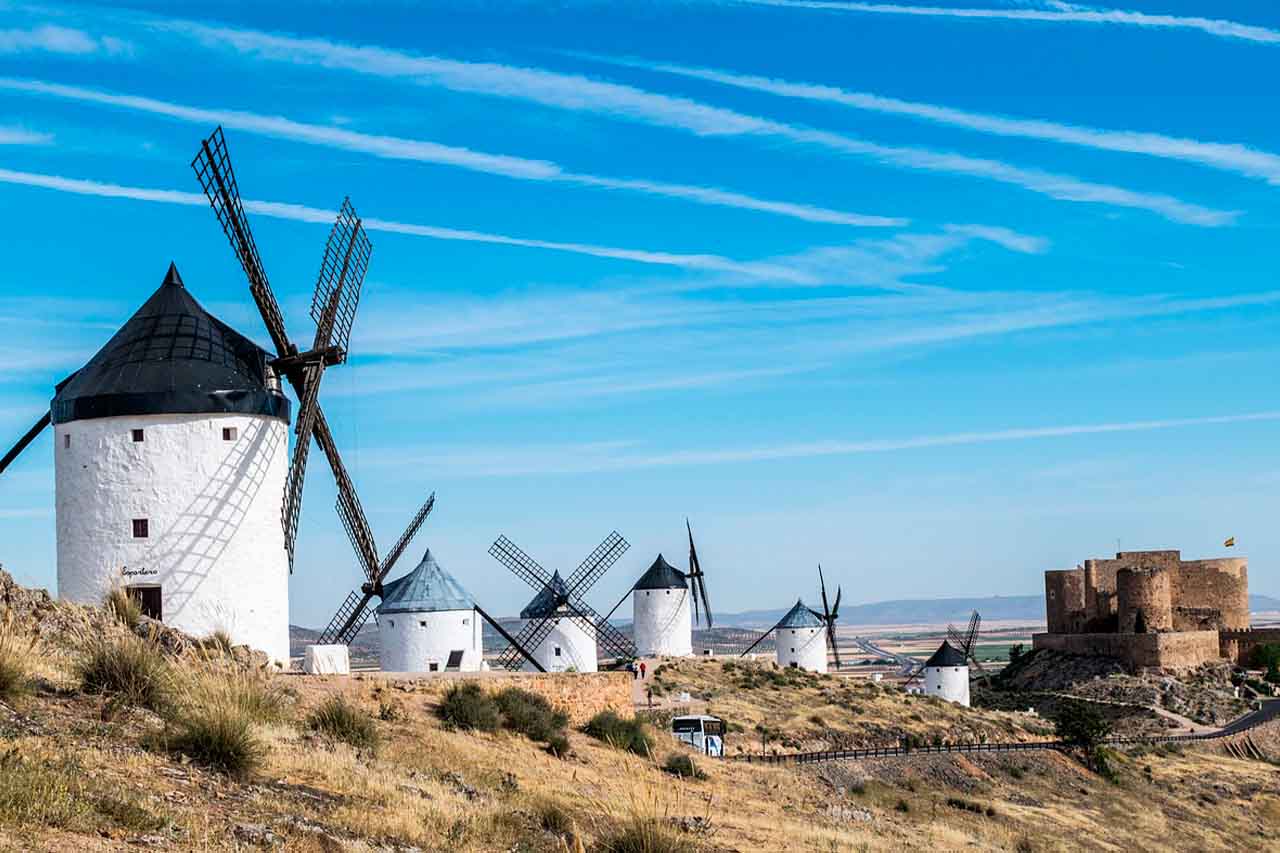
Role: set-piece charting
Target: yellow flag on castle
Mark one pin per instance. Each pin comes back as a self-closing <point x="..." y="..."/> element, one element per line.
<point x="1230" y="543"/>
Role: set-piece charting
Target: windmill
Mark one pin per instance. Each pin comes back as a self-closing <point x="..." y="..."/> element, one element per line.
<point x="966" y="643"/>
<point x="557" y="598"/>
<point x="798" y="642"/>
<point x="697" y="581"/>
<point x="333" y="309"/>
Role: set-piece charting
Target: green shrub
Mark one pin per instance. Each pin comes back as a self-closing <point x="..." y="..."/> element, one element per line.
<point x="530" y="714"/>
<point x="16" y="653"/>
<point x="124" y="607"/>
<point x="128" y="668"/>
<point x="467" y="706"/>
<point x="631" y="735"/>
<point x="902" y="806"/>
<point x="343" y="721"/>
<point x="555" y="819"/>
<point x="220" y="737"/>
<point x="646" y="835"/>
<point x="682" y="765"/>
<point x="558" y="745"/>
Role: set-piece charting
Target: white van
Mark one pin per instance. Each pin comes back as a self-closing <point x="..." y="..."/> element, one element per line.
<point x="703" y="733"/>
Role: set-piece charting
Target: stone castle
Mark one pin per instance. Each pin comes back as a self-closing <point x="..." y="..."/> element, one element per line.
<point x="1152" y="609"/>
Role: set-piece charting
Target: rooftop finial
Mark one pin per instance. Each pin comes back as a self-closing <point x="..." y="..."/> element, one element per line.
<point x="172" y="278"/>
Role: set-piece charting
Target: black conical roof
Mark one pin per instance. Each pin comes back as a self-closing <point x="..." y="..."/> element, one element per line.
<point x="662" y="575"/>
<point x="548" y="600"/>
<point x="947" y="655"/>
<point x="171" y="357"/>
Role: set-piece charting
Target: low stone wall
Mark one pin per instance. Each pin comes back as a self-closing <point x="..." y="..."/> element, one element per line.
<point x="1175" y="650"/>
<point x="581" y="694"/>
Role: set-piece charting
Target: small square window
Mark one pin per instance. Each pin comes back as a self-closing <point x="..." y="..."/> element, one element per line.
<point x="433" y="667"/>
<point x="140" y="528"/>
<point x="137" y="436"/>
<point x="422" y="623"/>
<point x="391" y="622"/>
<point x="228" y="433"/>
<point x="66" y="440"/>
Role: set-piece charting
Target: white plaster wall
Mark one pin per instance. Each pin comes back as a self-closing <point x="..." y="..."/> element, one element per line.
<point x="411" y="642"/>
<point x="810" y="648"/>
<point x="949" y="682"/>
<point x="216" y="546"/>
<point x="577" y="649"/>
<point x="663" y="622"/>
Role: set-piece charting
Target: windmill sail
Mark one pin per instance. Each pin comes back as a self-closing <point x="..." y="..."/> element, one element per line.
<point x="26" y="439"/>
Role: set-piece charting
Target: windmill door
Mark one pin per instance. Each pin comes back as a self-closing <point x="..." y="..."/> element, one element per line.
<point x="148" y="598"/>
<point x="455" y="661"/>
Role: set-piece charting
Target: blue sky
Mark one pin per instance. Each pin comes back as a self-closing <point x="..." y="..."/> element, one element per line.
<point x="940" y="296"/>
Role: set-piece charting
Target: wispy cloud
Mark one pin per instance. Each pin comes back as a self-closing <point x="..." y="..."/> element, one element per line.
<point x="594" y="457"/>
<point x="580" y="93"/>
<point x="62" y="40"/>
<point x="424" y="151"/>
<point x="1230" y="157"/>
<point x="1060" y="13"/>
<point x="22" y="136"/>
<point x="303" y="213"/>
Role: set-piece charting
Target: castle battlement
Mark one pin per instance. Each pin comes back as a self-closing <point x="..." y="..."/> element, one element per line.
<point x="1145" y="606"/>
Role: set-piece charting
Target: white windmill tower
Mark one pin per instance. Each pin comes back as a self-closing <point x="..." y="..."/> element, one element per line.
<point x="662" y="615"/>
<point x="662" y="618"/>
<point x="946" y="674"/>
<point x="803" y="635"/>
<point x="170" y="461"/>
<point x="561" y="631"/>
<point x="427" y="622"/>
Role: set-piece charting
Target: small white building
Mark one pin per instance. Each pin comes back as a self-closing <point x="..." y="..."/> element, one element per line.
<point x="427" y="623"/>
<point x="801" y="639"/>
<point x="946" y="674"/>
<point x="662" y="620"/>
<point x="171" y="450"/>
<point x="570" y="645"/>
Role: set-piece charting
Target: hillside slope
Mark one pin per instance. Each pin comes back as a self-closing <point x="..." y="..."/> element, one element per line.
<point x="83" y="772"/>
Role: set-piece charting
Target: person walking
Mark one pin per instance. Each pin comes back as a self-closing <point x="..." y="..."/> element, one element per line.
<point x="642" y="668"/>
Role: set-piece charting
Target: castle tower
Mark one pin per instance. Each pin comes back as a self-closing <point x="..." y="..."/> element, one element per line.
<point x="1145" y="600"/>
<point x="662" y="620"/>
<point x="427" y="623"/>
<point x="170" y="458"/>
<point x="801" y="639"/>
<point x="946" y="675"/>
<point x="569" y="645"/>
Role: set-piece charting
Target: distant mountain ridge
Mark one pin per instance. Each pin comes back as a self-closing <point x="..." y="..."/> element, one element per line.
<point x="917" y="611"/>
<point x="907" y="611"/>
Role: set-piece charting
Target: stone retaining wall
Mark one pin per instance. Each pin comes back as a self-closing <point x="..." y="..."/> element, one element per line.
<point x="1176" y="650"/>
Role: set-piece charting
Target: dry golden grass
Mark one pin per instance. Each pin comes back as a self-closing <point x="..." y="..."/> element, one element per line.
<point x="443" y="790"/>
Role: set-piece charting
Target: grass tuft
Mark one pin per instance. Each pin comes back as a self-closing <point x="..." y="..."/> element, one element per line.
<point x="621" y="733"/>
<point x="340" y="719"/>
<point x="468" y="707"/>
<point x="123" y="607"/>
<point x="683" y="766"/>
<point x="127" y="668"/>
<point x="218" y="736"/>
<point x="16" y="659"/>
